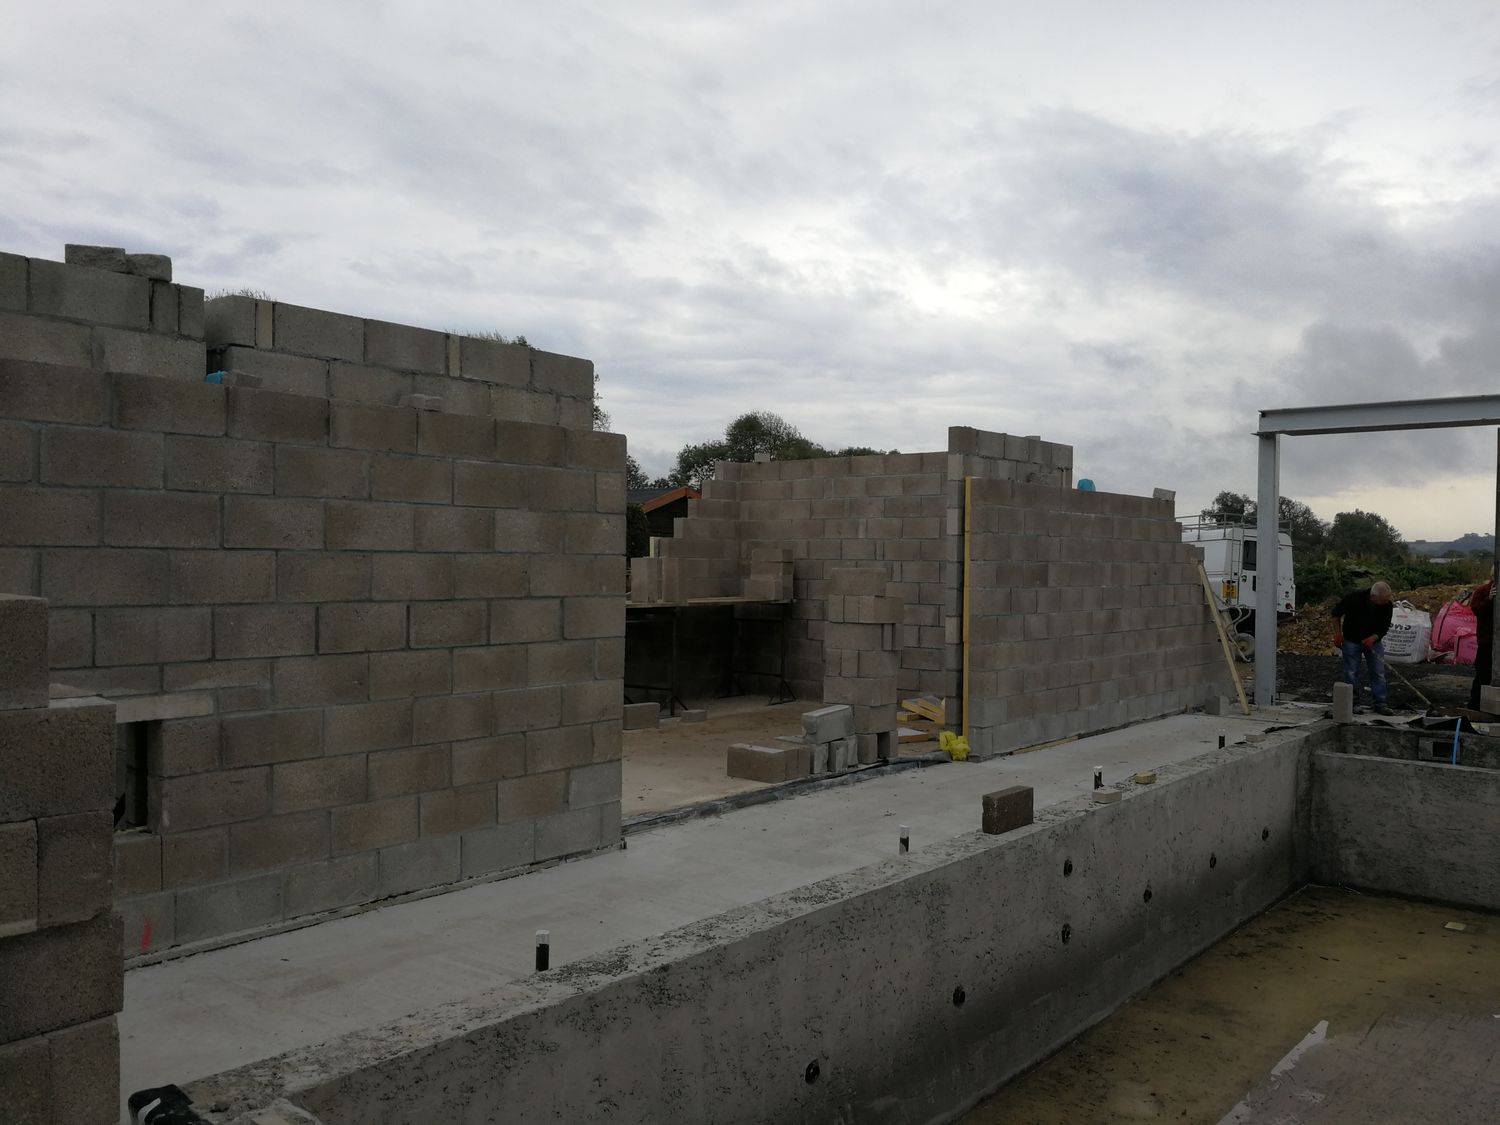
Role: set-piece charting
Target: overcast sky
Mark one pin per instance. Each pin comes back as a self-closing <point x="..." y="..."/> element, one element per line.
<point x="1124" y="226"/>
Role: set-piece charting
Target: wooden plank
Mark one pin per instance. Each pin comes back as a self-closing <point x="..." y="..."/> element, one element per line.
<point x="1213" y="608"/>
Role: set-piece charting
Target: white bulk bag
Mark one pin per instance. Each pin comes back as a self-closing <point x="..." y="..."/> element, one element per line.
<point x="1411" y="629"/>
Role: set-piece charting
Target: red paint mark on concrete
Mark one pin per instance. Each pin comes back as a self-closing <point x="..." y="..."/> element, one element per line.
<point x="146" y="937"/>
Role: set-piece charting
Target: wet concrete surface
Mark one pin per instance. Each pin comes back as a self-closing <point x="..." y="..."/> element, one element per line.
<point x="1412" y="1034"/>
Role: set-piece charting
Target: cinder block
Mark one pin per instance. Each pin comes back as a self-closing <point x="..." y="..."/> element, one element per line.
<point x="119" y="459"/>
<point x="324" y="473"/>
<point x="427" y="480"/>
<point x="35" y="340"/>
<point x="122" y="350"/>
<point x="536" y="533"/>
<point x="322" y="577"/>
<point x="419" y="865"/>
<point x="827" y="724"/>
<point x="689" y="715"/>
<point x="85" y="1074"/>
<point x="501" y="848"/>
<point x="175" y="747"/>
<point x="157" y="267"/>
<point x="562" y="374"/>
<point x="37" y="994"/>
<point x="149" y="923"/>
<point x="287" y="525"/>
<point x="26" y="1080"/>
<point x="489" y="668"/>
<point x="378" y="824"/>
<point x="229" y="320"/>
<point x="18" y="572"/>
<point x="331" y="884"/>
<point x="18" y="878"/>
<point x="533" y="796"/>
<point x="318" y="333"/>
<point x="411" y="577"/>
<point x="23" y="656"/>
<point x="352" y="525"/>
<point x="361" y="626"/>
<point x="454" y="529"/>
<point x="1343" y="703"/>
<point x="208" y="577"/>
<point x="569" y="833"/>
<point x="489" y="576"/>
<point x="62" y="517"/>
<point x="203" y="800"/>
<point x="57" y="760"/>
<point x="559" y="748"/>
<point x="1007" y="809"/>
<point x="597" y="702"/>
<point x="275" y="416"/>
<point x="264" y="630"/>
<point x="358" y="382"/>
<point x="452" y="717"/>
<point x="535" y="708"/>
<point x="136" y="858"/>
<point x="75" y="874"/>
<point x="318" y="783"/>
<point x="18" y="443"/>
<point x="228" y="908"/>
<point x="769" y="763"/>
<point x="70" y="638"/>
<point x="400" y="675"/>
<point x="94" y="295"/>
<point x="1489" y="699"/>
<point x="593" y="785"/>
<point x="455" y="435"/>
<point x="145" y="402"/>
<point x="396" y="773"/>
<point x="13" y="271"/>
<point x="359" y="425"/>
<point x="641" y="716"/>
<point x="259" y="739"/>
<point x="316" y="681"/>
<point x="466" y="809"/>
<point x="197" y="464"/>
<point x="278" y="842"/>
<point x="275" y="372"/>
<point x="446" y="624"/>
<point x="518" y="620"/>
<point x="486" y="484"/>
<point x="360" y="727"/>
<point x="193" y="858"/>
<point x="160" y="519"/>
<point x="489" y="759"/>
<point x="493" y="362"/>
<point x="405" y="348"/>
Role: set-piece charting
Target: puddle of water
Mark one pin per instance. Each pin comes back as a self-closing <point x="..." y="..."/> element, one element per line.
<point x="1193" y="1045"/>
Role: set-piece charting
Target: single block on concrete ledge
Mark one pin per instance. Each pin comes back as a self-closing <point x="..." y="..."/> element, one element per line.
<point x="1343" y="703"/>
<point x="1489" y="699"/>
<point x="1007" y="809"/>
<point x="23" y="656"/>
<point x="1217" y="705"/>
<point x="828" y="724"/>
<point x="694" y="716"/>
<point x="768" y="763"/>
<point x="642" y="716"/>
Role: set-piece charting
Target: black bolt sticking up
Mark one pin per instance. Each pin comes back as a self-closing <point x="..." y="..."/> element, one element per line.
<point x="1098" y="777"/>
<point x="543" y="950"/>
<point x="905" y="839"/>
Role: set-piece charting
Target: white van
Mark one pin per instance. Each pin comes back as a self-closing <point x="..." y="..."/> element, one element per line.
<point x="1229" y="556"/>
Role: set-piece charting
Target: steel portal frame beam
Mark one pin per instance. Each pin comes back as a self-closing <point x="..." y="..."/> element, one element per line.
<point x="1354" y="418"/>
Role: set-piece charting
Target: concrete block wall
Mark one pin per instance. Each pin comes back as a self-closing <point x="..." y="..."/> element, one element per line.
<point x="1086" y="612"/>
<point x="862" y="656"/>
<point x="372" y="648"/>
<point x="61" y="977"/>
<point x="903" y="510"/>
<point x="280" y="346"/>
<point x="100" y="317"/>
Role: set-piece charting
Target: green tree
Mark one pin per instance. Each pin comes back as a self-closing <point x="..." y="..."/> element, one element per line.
<point x="1230" y="507"/>
<point x="1365" y="535"/>
<point x="695" y="463"/>
<point x="635" y="476"/>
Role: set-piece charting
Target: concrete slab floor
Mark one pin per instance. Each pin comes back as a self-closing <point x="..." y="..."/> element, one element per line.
<point x="199" y="1015"/>
<point x="1331" y="1007"/>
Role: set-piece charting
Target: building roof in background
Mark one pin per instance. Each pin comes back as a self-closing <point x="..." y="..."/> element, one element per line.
<point x="652" y="498"/>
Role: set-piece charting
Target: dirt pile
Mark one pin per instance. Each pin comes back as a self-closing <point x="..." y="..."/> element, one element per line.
<point x="1310" y="633"/>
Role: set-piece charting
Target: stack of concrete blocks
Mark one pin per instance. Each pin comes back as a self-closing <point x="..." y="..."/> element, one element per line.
<point x="278" y="346"/>
<point x="863" y="655"/>
<point x="828" y="733"/>
<point x="1087" y="613"/>
<point x="358" y="649"/>
<point x="103" y="310"/>
<point x="771" y="574"/>
<point x="61" y="976"/>
<point x="902" y="510"/>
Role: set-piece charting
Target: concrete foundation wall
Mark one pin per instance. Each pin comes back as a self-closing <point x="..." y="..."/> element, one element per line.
<point x="61" y="980"/>
<point x="900" y="993"/>
<point x="1086" y="613"/>
<point x="1421" y="829"/>
<point x="358" y="649"/>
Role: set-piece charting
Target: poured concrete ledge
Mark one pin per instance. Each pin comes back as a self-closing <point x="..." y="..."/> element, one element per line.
<point x="902" y="992"/>
<point x="1420" y="829"/>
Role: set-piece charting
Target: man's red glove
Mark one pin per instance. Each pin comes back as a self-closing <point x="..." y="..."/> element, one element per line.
<point x="1338" y="639"/>
<point x="1369" y="642"/>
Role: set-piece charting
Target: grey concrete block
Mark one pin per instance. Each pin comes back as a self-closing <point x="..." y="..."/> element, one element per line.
<point x="229" y="321"/>
<point x="828" y="724"/>
<point x="13" y="270"/>
<point x="563" y="375"/>
<point x="493" y="362"/>
<point x="26" y="1080"/>
<point x="498" y="849"/>
<point x="92" y="295"/>
<point x="420" y="864"/>
<point x="1489" y="699"/>
<point x="18" y="878"/>
<point x="57" y="760"/>
<point x="403" y="348"/>
<point x="143" y="353"/>
<point x="314" y="332"/>
<point x="158" y="267"/>
<point x="593" y="785"/>
<point x="1007" y="809"/>
<point x="111" y="258"/>
<point x="190" y="304"/>
<point x="86" y="1073"/>
<point x="149" y="923"/>
<point x="1343" y="703"/>
<point x="691" y="715"/>
<point x="37" y="340"/>
<point x="228" y="908"/>
<point x="641" y="716"/>
<point x="75" y="876"/>
<point x="59" y="977"/>
<point x="769" y="764"/>
<point x="23" y="656"/>
<point x="290" y="374"/>
<point x="568" y="833"/>
<point x="332" y="883"/>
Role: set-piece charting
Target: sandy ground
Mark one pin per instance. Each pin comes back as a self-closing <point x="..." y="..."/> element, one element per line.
<point x="1380" y="971"/>
<point x="680" y="764"/>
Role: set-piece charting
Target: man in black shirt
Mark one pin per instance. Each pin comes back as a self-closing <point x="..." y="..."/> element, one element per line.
<point x="1364" y="619"/>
